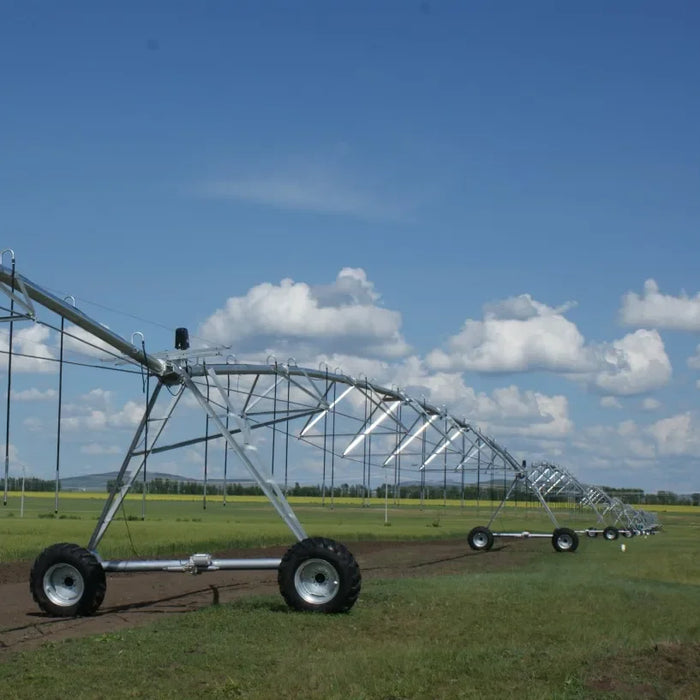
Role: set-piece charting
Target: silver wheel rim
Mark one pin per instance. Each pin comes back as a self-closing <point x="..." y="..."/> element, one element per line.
<point x="609" y="535"/>
<point x="316" y="581"/>
<point x="63" y="585"/>
<point x="480" y="540"/>
<point x="565" y="541"/>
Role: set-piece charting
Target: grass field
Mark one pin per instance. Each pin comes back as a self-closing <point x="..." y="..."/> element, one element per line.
<point x="601" y="623"/>
<point x="180" y="525"/>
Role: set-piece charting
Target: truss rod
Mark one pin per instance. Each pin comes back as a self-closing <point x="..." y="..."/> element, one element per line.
<point x="245" y="453"/>
<point x="118" y="493"/>
<point x="33" y="292"/>
<point x="324" y="412"/>
<point x="231" y="431"/>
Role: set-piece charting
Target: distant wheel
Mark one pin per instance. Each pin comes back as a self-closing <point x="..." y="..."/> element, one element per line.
<point x="480" y="538"/>
<point x="591" y="533"/>
<point x="627" y="533"/>
<point x="564" y="540"/>
<point x="611" y="533"/>
<point x="319" y="575"/>
<point x="67" y="580"/>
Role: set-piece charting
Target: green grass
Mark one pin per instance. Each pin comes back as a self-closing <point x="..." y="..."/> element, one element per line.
<point x="601" y="623"/>
<point x="597" y="624"/>
<point x="180" y="527"/>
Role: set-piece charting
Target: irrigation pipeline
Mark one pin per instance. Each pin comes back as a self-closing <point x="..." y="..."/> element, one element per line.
<point x="358" y="426"/>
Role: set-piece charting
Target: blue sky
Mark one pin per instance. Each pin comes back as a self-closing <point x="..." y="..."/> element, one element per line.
<point x="491" y="186"/>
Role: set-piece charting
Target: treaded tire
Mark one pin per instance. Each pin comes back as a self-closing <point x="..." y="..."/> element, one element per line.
<point x="611" y="533"/>
<point x="480" y="539"/>
<point x="67" y="580"/>
<point x="319" y="575"/>
<point x="564" y="540"/>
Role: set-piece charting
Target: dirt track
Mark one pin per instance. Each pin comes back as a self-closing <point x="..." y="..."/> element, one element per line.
<point x="137" y="599"/>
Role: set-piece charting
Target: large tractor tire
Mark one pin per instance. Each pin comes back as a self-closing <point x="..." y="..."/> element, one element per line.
<point x="564" y="540"/>
<point x="67" y="580"/>
<point x="319" y="575"/>
<point x="611" y="533"/>
<point x="480" y="539"/>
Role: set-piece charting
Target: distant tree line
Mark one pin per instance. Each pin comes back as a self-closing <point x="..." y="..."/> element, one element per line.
<point x="196" y="488"/>
<point x="192" y="488"/>
<point x="491" y="491"/>
<point x="668" y="498"/>
<point x="31" y="483"/>
<point x="430" y="491"/>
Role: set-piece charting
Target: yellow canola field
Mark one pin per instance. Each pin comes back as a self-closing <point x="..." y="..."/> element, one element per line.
<point x="339" y="500"/>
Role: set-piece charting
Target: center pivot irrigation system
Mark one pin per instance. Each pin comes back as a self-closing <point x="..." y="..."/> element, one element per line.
<point x="547" y="481"/>
<point x="263" y="414"/>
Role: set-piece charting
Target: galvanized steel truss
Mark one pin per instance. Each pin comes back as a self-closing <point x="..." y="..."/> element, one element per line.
<point x="548" y="480"/>
<point x="355" y="423"/>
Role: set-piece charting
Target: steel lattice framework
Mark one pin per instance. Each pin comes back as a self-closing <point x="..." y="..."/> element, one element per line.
<point x="260" y="411"/>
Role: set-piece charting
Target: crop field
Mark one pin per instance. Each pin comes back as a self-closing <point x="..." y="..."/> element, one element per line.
<point x="434" y="619"/>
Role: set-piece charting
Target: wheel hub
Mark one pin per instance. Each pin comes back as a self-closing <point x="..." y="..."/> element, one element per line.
<point x="63" y="585"/>
<point x="317" y="581"/>
<point x="480" y="540"/>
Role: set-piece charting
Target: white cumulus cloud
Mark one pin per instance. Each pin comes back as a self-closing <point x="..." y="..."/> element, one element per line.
<point x="632" y="365"/>
<point x="31" y="352"/>
<point x="649" y="447"/>
<point x="83" y="342"/>
<point x="520" y="334"/>
<point x="677" y="435"/>
<point x="625" y="442"/>
<point x="297" y="319"/>
<point x="515" y="335"/>
<point x="653" y="309"/>
<point x="505" y="411"/>
<point x="89" y="417"/>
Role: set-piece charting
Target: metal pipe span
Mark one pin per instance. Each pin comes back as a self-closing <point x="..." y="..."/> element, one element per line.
<point x="74" y="315"/>
<point x="190" y="565"/>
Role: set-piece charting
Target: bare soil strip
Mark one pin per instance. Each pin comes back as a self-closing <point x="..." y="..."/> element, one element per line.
<point x="138" y="598"/>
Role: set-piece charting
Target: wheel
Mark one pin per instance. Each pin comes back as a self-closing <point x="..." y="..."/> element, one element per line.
<point x="67" y="580"/>
<point x="319" y="575"/>
<point x="611" y="533"/>
<point x="591" y="533"/>
<point x="564" y="540"/>
<point x="627" y="533"/>
<point x="480" y="538"/>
